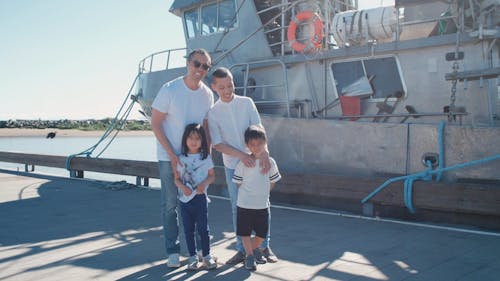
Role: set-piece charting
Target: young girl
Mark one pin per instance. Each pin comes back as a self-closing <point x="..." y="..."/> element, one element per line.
<point x="196" y="172"/>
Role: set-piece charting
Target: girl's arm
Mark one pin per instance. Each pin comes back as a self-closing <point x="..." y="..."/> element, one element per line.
<point x="203" y="185"/>
<point x="186" y="190"/>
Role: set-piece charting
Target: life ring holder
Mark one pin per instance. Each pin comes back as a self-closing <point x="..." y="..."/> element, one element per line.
<point x="315" y="40"/>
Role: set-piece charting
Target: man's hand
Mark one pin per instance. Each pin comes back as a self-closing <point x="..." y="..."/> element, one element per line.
<point x="248" y="160"/>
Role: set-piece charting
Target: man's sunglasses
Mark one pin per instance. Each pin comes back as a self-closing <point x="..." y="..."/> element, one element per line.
<point x="197" y="64"/>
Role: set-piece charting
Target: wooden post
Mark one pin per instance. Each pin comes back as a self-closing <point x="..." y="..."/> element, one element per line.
<point x="27" y="168"/>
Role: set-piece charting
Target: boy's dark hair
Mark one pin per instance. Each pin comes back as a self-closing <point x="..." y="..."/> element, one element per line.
<point x="199" y="51"/>
<point x="195" y="128"/>
<point x="255" y="132"/>
<point x="221" y="72"/>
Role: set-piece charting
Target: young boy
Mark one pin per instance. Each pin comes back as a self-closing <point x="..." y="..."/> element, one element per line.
<point x="253" y="197"/>
<point x="227" y="120"/>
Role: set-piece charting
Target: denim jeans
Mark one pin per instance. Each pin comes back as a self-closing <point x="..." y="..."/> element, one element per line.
<point x="169" y="208"/>
<point x="232" y="188"/>
<point x="195" y="216"/>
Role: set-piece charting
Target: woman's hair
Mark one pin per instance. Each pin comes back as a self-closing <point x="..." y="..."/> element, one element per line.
<point x="198" y="129"/>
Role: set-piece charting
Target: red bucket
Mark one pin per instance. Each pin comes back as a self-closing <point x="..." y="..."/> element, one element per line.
<point x="351" y="106"/>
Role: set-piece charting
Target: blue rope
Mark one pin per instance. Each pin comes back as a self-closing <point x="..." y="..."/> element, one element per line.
<point x="427" y="174"/>
<point x="116" y="125"/>
<point x="441" y="149"/>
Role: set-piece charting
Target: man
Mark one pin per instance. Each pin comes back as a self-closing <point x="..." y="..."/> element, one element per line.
<point x="180" y="102"/>
<point x="228" y="119"/>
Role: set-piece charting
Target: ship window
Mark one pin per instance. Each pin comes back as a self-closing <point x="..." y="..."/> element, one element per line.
<point x="210" y="19"/>
<point x="227" y="11"/>
<point x="374" y="78"/>
<point x="191" y="20"/>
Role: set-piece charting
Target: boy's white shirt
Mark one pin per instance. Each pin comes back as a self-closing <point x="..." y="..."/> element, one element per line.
<point x="193" y="171"/>
<point x="183" y="106"/>
<point x="228" y="121"/>
<point x="255" y="187"/>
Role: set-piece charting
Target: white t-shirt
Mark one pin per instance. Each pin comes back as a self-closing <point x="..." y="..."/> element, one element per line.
<point x="194" y="171"/>
<point x="255" y="187"/>
<point x="228" y="121"/>
<point x="183" y="106"/>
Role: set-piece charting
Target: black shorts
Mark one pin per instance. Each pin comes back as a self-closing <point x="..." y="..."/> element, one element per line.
<point x="248" y="220"/>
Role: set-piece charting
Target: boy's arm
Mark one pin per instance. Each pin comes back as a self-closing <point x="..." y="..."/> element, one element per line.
<point x="272" y="185"/>
<point x="203" y="185"/>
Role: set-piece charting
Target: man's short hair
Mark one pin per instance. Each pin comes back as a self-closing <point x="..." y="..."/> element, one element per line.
<point x="255" y="132"/>
<point x="199" y="51"/>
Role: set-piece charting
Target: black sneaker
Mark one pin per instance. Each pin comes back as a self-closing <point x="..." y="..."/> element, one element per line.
<point x="250" y="263"/>
<point x="258" y="256"/>
<point x="269" y="255"/>
<point x="236" y="259"/>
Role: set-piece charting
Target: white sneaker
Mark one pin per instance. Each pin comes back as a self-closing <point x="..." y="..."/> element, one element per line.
<point x="209" y="262"/>
<point x="192" y="263"/>
<point x="173" y="260"/>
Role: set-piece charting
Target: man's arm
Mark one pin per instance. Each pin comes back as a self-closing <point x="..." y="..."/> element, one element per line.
<point x="244" y="157"/>
<point x="207" y="133"/>
<point x="157" y="118"/>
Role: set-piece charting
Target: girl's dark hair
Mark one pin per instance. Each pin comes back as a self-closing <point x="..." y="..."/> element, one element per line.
<point x="195" y="128"/>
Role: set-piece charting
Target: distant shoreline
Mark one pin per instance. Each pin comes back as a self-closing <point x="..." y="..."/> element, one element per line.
<point x="18" y="132"/>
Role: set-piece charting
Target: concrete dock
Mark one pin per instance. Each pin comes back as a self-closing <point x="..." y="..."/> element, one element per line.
<point x="54" y="228"/>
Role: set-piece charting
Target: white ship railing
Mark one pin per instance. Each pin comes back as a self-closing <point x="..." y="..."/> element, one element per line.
<point x="163" y="60"/>
<point x="283" y="85"/>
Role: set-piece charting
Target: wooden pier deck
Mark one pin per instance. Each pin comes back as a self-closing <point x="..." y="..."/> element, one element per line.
<point x="55" y="228"/>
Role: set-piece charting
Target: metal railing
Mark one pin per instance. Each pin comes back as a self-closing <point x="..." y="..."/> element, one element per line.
<point x="147" y="63"/>
<point x="283" y="84"/>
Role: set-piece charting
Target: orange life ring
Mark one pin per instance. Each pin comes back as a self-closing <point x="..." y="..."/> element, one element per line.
<point x="314" y="41"/>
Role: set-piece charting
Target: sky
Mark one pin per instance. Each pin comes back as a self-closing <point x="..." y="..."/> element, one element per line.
<point x="77" y="59"/>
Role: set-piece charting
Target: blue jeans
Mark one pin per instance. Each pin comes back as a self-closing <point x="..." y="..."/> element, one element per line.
<point x="195" y="213"/>
<point x="232" y="188"/>
<point x="169" y="208"/>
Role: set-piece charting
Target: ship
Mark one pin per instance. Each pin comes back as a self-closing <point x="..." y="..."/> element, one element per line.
<point x="388" y="111"/>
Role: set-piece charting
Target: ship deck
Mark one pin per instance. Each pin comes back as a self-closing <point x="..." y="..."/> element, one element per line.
<point x="56" y="228"/>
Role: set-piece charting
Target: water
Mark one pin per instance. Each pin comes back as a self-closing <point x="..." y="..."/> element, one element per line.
<point x="124" y="147"/>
